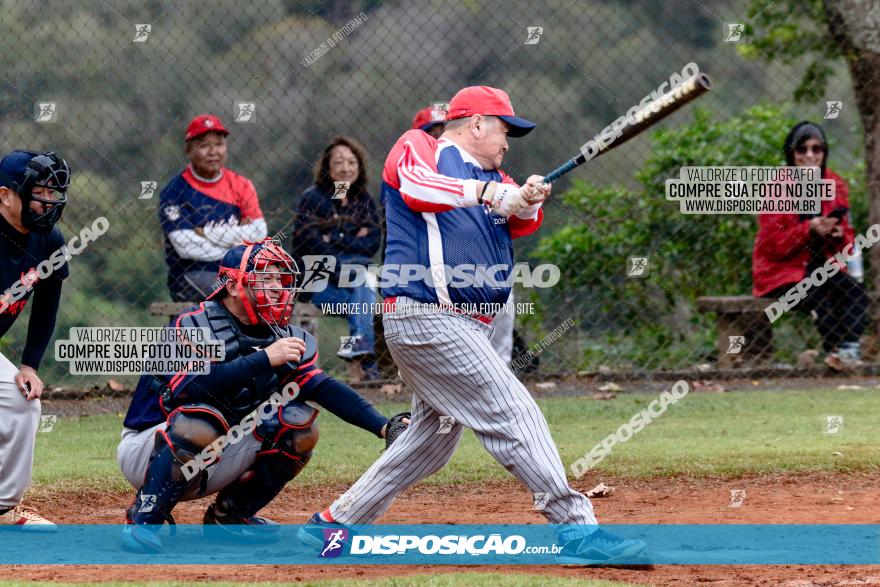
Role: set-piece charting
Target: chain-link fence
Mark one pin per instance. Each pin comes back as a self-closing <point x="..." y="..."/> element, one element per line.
<point x="112" y="86"/>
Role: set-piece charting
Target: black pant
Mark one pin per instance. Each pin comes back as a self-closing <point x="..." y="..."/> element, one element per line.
<point x="838" y="307"/>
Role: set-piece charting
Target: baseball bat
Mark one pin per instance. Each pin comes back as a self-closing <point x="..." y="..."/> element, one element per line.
<point x="643" y="118"/>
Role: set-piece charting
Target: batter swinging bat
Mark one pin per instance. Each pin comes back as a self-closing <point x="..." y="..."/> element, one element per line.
<point x="647" y="116"/>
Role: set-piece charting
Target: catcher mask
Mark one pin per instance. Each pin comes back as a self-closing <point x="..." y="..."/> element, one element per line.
<point x="265" y="277"/>
<point x="22" y="171"/>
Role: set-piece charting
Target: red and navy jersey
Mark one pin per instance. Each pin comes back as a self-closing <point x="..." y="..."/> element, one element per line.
<point x="225" y="379"/>
<point x="433" y="219"/>
<point x="188" y="202"/>
<point x="20" y="256"/>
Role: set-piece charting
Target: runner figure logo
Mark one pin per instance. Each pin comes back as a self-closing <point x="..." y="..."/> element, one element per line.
<point x="333" y="542"/>
<point x="736" y="344"/>
<point x="46" y="111"/>
<point x="535" y="33"/>
<point x="832" y="109"/>
<point x="540" y="502"/>
<point x="348" y="343"/>
<point x="245" y="111"/>
<point x="446" y="424"/>
<point x="147" y="189"/>
<point x="833" y="424"/>
<point x="47" y="423"/>
<point x="638" y="266"/>
<point x="148" y="502"/>
<point x="141" y="33"/>
<point x="737" y="497"/>
<point x="734" y="32"/>
<point x="318" y="275"/>
<point x="340" y="189"/>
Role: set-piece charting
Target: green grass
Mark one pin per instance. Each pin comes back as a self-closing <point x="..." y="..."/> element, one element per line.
<point x="436" y="580"/>
<point x="703" y="435"/>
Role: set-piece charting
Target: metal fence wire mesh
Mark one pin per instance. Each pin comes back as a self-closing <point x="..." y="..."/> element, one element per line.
<point x="112" y="86"/>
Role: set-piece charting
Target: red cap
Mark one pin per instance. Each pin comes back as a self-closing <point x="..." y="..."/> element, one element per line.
<point x="427" y="117"/>
<point x="489" y="102"/>
<point x="204" y="123"/>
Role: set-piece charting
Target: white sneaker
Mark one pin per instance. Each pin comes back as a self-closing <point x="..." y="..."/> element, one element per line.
<point x="28" y="519"/>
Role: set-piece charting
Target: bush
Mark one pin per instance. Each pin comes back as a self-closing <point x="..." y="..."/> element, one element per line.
<point x="651" y="322"/>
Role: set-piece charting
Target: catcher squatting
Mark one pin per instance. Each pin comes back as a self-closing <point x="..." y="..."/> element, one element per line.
<point x="177" y="443"/>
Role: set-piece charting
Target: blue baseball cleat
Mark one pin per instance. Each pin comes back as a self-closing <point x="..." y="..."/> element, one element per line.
<point x="603" y="548"/>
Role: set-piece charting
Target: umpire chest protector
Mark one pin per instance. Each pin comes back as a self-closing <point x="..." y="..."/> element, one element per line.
<point x="240" y="340"/>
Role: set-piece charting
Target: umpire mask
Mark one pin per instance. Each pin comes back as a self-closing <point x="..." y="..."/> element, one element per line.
<point x="22" y="171"/>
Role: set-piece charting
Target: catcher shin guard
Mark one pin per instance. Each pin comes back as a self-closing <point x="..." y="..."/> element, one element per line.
<point x="288" y="439"/>
<point x="190" y="429"/>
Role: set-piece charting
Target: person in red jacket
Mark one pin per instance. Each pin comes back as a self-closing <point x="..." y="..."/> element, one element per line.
<point x="790" y="246"/>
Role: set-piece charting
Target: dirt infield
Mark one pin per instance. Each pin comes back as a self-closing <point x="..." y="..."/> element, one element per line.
<point x="827" y="499"/>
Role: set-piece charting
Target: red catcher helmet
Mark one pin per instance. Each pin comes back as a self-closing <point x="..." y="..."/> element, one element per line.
<point x="266" y="277"/>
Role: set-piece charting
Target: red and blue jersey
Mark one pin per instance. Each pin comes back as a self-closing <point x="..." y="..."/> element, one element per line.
<point x="434" y="220"/>
<point x="188" y="203"/>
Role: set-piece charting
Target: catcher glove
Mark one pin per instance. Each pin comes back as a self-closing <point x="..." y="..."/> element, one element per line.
<point x="395" y="428"/>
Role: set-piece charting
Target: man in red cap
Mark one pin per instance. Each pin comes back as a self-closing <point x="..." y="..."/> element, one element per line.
<point x="450" y="208"/>
<point x="204" y="211"/>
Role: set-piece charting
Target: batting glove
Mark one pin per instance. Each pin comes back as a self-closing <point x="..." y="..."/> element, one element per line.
<point x="505" y="199"/>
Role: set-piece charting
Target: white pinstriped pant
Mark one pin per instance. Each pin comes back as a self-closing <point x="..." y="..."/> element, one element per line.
<point x="449" y="365"/>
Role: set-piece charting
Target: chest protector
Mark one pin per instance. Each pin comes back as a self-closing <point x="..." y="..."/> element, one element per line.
<point x="237" y="342"/>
